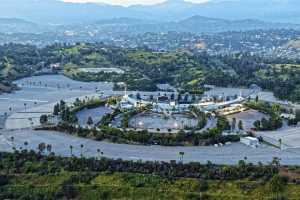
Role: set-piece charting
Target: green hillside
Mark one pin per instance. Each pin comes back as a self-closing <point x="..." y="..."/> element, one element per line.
<point x="26" y="175"/>
<point x="143" y="69"/>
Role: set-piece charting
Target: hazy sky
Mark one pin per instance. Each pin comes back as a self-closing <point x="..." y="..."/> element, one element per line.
<point x="129" y="2"/>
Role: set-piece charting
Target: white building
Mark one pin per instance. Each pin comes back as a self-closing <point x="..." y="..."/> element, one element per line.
<point x="250" y="141"/>
<point x="171" y="106"/>
<point x="287" y="116"/>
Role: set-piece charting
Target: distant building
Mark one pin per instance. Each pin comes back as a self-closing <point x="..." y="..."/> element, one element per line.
<point x="232" y="109"/>
<point x="162" y="99"/>
<point x="287" y="116"/>
<point x="55" y="66"/>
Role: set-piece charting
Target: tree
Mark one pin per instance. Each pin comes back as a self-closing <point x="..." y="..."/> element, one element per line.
<point x="203" y="185"/>
<point x="49" y="148"/>
<point x="90" y="121"/>
<point x="179" y="97"/>
<point x="151" y="97"/>
<point x="42" y="147"/>
<point x="275" y="108"/>
<point x="172" y="97"/>
<point x="297" y="113"/>
<point x="181" y="154"/>
<point x="4" y="180"/>
<point x="56" y="110"/>
<point x="280" y="143"/>
<point x="26" y="144"/>
<point x="256" y="125"/>
<point x="186" y="98"/>
<point x="62" y="105"/>
<point x="25" y="106"/>
<point x="264" y="124"/>
<point x="180" y="135"/>
<point x="81" y="150"/>
<point x="12" y="138"/>
<point x="278" y="185"/>
<point x="223" y="124"/>
<point x="233" y="124"/>
<point x="71" y="150"/>
<point x="44" y="119"/>
<point x="193" y="98"/>
<point x="240" y="125"/>
<point x="100" y="153"/>
<point x="276" y="162"/>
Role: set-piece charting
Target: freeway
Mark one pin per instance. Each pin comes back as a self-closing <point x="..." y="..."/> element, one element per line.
<point x="61" y="142"/>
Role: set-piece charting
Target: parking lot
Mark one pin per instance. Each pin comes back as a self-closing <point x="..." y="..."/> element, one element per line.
<point x="248" y="118"/>
<point x="290" y="137"/>
<point x="229" y="154"/>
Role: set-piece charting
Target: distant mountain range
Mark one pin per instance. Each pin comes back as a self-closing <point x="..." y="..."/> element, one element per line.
<point x="58" y="12"/>
<point x="199" y="24"/>
<point x="195" y="24"/>
<point x="14" y="25"/>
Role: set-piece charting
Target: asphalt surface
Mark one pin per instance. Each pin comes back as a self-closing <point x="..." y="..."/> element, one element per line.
<point x="229" y="154"/>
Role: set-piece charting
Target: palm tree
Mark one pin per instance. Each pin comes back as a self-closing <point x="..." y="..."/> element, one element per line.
<point x="25" y="105"/>
<point x="41" y="147"/>
<point x="25" y="144"/>
<point x="71" y="150"/>
<point x="233" y="124"/>
<point x="181" y="154"/>
<point x="12" y="139"/>
<point x="100" y="153"/>
<point x="90" y="121"/>
<point x="81" y="149"/>
<point x="240" y="125"/>
<point x="280" y="143"/>
<point x="49" y="148"/>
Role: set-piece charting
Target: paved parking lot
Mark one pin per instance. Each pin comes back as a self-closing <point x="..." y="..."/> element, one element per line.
<point x="248" y="118"/>
<point x="290" y="137"/>
<point x="229" y="154"/>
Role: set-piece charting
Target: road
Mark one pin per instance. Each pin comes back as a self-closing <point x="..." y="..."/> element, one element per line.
<point x="230" y="154"/>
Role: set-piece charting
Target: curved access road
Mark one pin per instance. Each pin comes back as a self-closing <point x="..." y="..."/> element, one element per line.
<point x="60" y="142"/>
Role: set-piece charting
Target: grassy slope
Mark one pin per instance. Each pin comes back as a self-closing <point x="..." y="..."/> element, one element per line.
<point x="140" y="65"/>
<point x="138" y="186"/>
